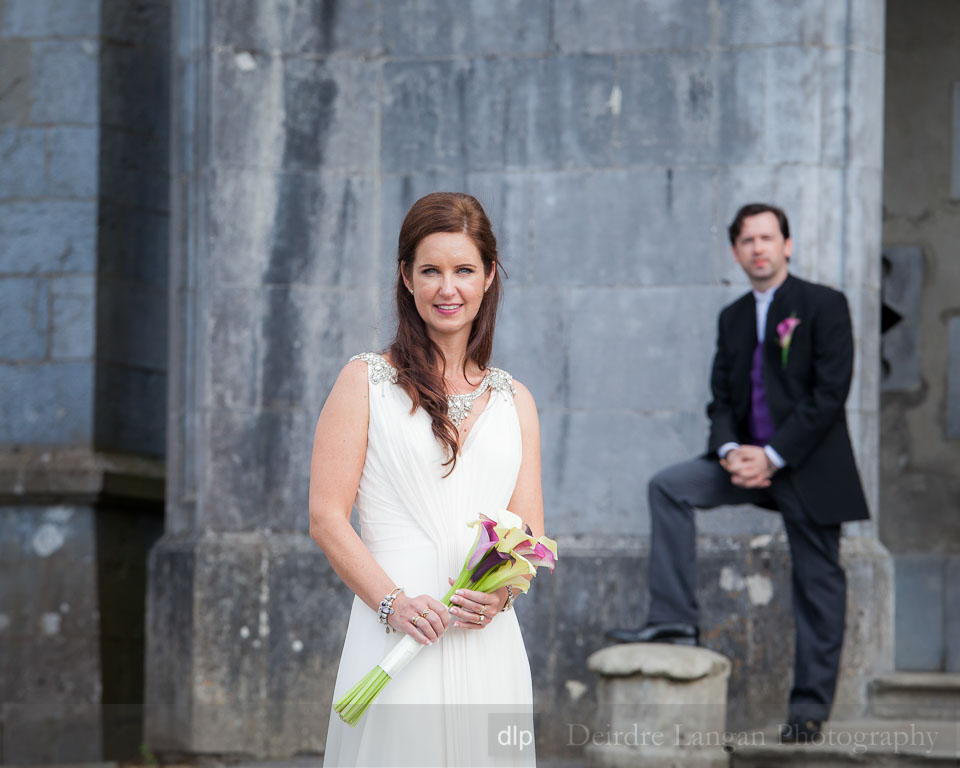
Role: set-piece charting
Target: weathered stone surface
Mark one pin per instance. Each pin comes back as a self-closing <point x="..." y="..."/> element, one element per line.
<point x="37" y="404"/>
<point x="953" y="379"/>
<point x="560" y="112"/>
<point x="294" y="113"/>
<point x="657" y="704"/>
<point x="72" y="321"/>
<point x="920" y="615"/>
<point x="22" y="171"/>
<point x="71" y="168"/>
<point x="866" y="132"/>
<point x="615" y="328"/>
<point x="669" y="110"/>
<point x="633" y="217"/>
<point x="65" y="82"/>
<point x="258" y="464"/>
<point x="776" y="22"/>
<point x="302" y="229"/>
<point x="472" y="28"/>
<point x="916" y="695"/>
<point x="793" y="76"/>
<point x="50" y="689"/>
<point x="955" y="144"/>
<point x="39" y="19"/>
<point x="24" y="319"/>
<point x="464" y="103"/>
<point x="315" y="27"/>
<point x="868" y="643"/>
<point x="29" y="475"/>
<point x="951" y="629"/>
<point x="630" y="26"/>
<point x="267" y="651"/>
<point x="47" y="236"/>
<point x="589" y="464"/>
<point x="671" y="662"/>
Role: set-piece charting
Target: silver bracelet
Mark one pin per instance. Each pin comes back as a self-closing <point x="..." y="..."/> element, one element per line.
<point x="510" y="598"/>
<point x="386" y="608"/>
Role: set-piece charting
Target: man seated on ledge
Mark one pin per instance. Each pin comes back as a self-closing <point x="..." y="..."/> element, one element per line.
<point x="779" y="440"/>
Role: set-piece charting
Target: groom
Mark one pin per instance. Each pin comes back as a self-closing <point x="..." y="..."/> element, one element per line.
<point x="778" y="439"/>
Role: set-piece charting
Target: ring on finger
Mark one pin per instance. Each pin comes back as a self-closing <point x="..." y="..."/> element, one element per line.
<point x="425" y="612"/>
<point x="415" y="619"/>
<point x="480" y="619"/>
<point x="483" y="609"/>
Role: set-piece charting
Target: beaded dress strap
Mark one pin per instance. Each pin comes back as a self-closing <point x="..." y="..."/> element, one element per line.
<point x="379" y="368"/>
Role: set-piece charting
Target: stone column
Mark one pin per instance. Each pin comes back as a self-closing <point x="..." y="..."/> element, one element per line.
<point x="659" y="706"/>
<point x="275" y="152"/>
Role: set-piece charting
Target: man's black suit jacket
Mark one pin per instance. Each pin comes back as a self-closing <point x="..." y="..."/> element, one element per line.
<point x="806" y="397"/>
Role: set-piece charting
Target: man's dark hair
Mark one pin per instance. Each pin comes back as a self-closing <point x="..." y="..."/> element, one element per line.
<point x="752" y="209"/>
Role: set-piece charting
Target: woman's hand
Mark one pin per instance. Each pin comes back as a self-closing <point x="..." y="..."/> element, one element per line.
<point x="475" y="610"/>
<point x="424" y="618"/>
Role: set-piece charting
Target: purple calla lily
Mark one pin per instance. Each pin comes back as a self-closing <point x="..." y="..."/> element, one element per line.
<point x="486" y="539"/>
<point x="491" y="560"/>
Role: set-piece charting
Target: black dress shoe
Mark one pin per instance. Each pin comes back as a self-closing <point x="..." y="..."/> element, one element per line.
<point x="675" y="632"/>
<point x="800" y="730"/>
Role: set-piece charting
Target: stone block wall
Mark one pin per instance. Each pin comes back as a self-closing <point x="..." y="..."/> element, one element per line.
<point x="50" y="689"/>
<point x="610" y="149"/>
<point x="83" y="258"/>
<point x="49" y="132"/>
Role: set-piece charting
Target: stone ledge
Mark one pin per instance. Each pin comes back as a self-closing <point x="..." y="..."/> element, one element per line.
<point x="674" y="662"/>
<point x="34" y="475"/>
<point x="930" y="695"/>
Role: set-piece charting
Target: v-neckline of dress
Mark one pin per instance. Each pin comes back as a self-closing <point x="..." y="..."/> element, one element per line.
<point x="473" y="430"/>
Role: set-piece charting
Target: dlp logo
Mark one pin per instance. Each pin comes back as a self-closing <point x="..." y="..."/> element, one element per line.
<point x="515" y="736"/>
<point x="510" y="734"/>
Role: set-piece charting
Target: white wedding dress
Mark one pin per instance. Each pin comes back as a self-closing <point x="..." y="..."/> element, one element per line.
<point x="466" y="700"/>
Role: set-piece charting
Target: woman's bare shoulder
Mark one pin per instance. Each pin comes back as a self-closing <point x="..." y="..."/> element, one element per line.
<point x="523" y="399"/>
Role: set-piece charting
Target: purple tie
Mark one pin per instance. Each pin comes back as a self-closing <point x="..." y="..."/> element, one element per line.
<point x="760" y="423"/>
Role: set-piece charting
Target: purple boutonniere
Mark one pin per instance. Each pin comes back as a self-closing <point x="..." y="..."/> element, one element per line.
<point x="785" y="330"/>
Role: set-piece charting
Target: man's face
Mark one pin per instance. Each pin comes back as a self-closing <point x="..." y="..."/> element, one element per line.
<point x="762" y="250"/>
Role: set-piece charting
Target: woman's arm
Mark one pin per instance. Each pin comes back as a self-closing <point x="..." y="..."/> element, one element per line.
<point x="527" y="499"/>
<point x="339" y="451"/>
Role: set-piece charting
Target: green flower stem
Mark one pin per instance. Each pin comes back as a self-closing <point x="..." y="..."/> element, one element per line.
<point x="355" y="702"/>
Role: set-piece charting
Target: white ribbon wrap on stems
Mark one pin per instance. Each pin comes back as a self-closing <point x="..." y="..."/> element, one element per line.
<point x="400" y="656"/>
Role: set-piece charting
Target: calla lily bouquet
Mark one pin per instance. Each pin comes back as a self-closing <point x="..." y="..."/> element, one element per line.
<point x="503" y="553"/>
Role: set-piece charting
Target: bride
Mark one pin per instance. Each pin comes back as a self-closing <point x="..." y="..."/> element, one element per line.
<point x="424" y="438"/>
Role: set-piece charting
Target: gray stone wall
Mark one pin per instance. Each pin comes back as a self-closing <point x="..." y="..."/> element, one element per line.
<point x="50" y="691"/>
<point x="611" y="149"/>
<point x="49" y="132"/>
<point x="83" y="221"/>
<point x="919" y="458"/>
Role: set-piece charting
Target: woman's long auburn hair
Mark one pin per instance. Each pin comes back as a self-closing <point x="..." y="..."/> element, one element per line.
<point x="417" y="358"/>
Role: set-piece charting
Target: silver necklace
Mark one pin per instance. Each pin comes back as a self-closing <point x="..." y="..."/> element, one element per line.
<point x="461" y="406"/>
